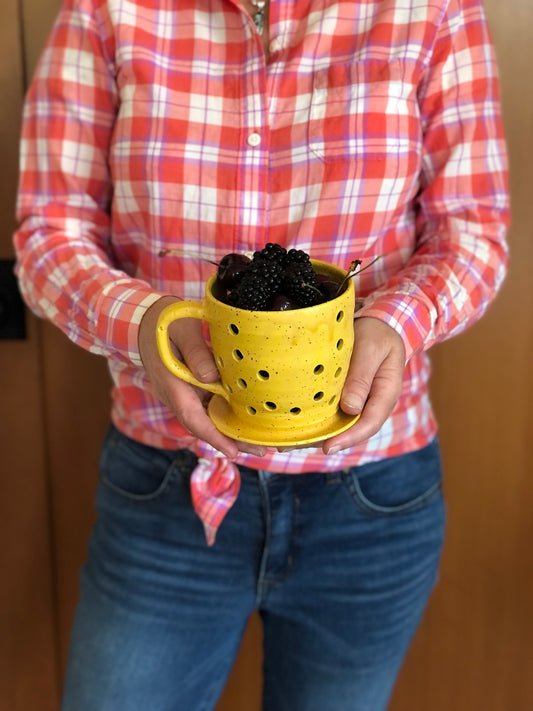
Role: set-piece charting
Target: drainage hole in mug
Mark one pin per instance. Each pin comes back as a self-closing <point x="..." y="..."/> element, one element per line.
<point x="229" y="389"/>
<point x="295" y="410"/>
<point x="233" y="328"/>
<point x="270" y="405"/>
<point x="340" y="316"/>
<point x="338" y="372"/>
<point x="318" y="396"/>
<point x="251" y="410"/>
<point x="318" y="369"/>
<point x="263" y="375"/>
<point x="340" y="344"/>
<point x="237" y="354"/>
<point x="332" y="400"/>
<point x="242" y="383"/>
<point x="220" y="362"/>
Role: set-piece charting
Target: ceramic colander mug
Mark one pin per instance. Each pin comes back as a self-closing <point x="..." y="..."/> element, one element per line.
<point x="281" y="372"/>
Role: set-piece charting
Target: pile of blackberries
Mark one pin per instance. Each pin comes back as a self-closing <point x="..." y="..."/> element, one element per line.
<point x="275" y="279"/>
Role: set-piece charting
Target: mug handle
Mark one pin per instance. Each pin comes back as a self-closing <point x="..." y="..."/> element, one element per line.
<point x="173" y="312"/>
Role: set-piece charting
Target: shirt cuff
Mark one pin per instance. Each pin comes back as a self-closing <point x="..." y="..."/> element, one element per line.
<point x="118" y="314"/>
<point x="408" y="316"/>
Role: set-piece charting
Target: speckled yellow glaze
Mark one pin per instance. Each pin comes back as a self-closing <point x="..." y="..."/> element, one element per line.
<point x="281" y="372"/>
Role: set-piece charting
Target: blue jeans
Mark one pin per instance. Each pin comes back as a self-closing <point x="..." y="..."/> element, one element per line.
<point x="339" y="565"/>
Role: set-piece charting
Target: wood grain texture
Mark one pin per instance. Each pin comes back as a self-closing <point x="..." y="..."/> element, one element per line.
<point x="11" y="94"/>
<point x="77" y="400"/>
<point x="474" y="651"/>
<point x="28" y="651"/>
<point x="28" y="658"/>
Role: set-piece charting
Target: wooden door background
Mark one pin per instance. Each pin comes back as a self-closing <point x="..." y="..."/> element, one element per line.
<point x="474" y="650"/>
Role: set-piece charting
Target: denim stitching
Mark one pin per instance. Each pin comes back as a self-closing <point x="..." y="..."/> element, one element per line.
<point x="354" y="489"/>
<point x="171" y="471"/>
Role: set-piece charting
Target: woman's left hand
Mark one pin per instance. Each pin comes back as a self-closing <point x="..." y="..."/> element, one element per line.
<point x="374" y="381"/>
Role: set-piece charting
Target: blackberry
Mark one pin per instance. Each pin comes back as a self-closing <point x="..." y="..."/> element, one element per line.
<point x="271" y="252"/>
<point x="299" y="284"/>
<point x="267" y="271"/>
<point x="260" y="283"/>
<point x="251" y="294"/>
<point x="296" y="256"/>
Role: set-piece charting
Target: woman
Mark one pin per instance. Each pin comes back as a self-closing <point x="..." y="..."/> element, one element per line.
<point x="344" y="129"/>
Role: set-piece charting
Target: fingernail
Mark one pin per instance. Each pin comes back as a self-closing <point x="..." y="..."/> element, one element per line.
<point x="352" y="403"/>
<point x="205" y="369"/>
<point x="333" y="450"/>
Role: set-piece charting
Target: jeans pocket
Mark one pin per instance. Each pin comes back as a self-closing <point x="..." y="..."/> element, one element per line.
<point x="133" y="470"/>
<point x="398" y="485"/>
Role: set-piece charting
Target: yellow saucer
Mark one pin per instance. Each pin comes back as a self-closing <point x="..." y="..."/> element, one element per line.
<point x="229" y="424"/>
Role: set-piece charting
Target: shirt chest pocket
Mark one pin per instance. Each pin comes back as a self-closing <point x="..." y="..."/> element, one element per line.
<point x="364" y="112"/>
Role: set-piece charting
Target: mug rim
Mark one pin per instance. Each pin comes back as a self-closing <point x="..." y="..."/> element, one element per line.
<point x="328" y="268"/>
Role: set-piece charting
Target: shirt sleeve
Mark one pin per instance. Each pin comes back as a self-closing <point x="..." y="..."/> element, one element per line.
<point x="64" y="255"/>
<point x="462" y="208"/>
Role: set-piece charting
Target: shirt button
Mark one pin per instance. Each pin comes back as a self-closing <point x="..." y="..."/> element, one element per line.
<point x="254" y="139"/>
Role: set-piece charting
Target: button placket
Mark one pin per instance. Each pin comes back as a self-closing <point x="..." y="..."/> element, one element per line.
<point x="275" y="45"/>
<point x="253" y="183"/>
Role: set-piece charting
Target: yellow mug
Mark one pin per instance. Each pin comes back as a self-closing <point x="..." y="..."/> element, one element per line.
<point x="281" y="372"/>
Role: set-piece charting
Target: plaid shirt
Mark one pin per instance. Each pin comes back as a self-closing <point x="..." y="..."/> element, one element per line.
<point x="374" y="129"/>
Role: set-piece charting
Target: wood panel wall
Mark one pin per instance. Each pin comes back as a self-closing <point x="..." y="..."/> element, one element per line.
<point x="75" y="409"/>
<point x="29" y="671"/>
<point x="474" y="651"/>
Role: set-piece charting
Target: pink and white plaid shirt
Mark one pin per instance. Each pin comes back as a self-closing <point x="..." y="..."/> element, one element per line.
<point x="374" y="129"/>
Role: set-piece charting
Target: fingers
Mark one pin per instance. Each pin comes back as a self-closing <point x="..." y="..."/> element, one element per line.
<point x="375" y="375"/>
<point x="256" y="449"/>
<point x="194" y="351"/>
<point x="181" y="398"/>
<point x="186" y="334"/>
<point x="189" y="405"/>
<point x="374" y="382"/>
<point x="365" y="363"/>
<point x="187" y="402"/>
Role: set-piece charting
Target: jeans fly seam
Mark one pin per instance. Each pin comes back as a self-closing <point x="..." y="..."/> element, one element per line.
<point x="293" y="548"/>
<point x="262" y="581"/>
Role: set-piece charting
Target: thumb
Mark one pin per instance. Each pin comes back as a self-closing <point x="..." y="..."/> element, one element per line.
<point x="186" y="334"/>
<point x="364" y="365"/>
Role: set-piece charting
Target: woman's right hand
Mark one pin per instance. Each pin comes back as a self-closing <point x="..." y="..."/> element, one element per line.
<point x="187" y="402"/>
